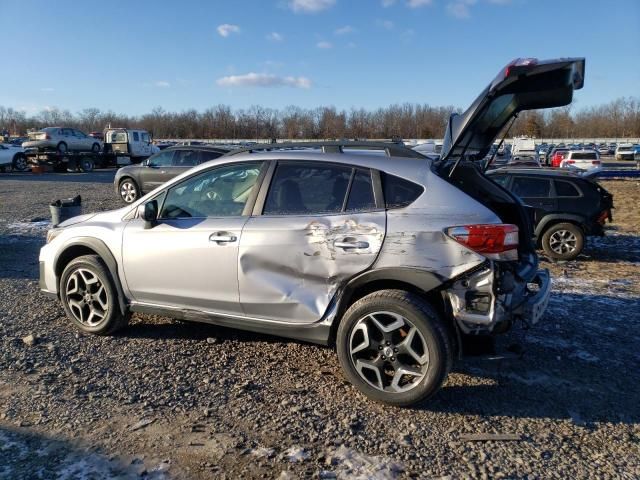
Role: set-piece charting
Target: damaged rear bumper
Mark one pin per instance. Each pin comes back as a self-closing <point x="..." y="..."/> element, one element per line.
<point x="480" y="303"/>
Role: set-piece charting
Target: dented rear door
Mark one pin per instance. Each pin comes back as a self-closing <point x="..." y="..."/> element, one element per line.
<point x="295" y="255"/>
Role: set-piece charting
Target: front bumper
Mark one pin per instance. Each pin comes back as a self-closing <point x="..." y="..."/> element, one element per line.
<point x="43" y="282"/>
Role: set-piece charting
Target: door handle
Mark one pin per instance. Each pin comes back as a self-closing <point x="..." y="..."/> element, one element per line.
<point x="222" y="237"/>
<point x="350" y="244"/>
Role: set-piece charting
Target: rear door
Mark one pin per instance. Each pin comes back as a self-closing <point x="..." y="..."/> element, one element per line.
<point x="315" y="226"/>
<point x="535" y="191"/>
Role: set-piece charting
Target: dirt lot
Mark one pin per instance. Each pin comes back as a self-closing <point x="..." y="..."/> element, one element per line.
<point x="165" y="399"/>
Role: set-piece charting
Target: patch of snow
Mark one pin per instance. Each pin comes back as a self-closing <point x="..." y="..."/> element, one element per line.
<point x="296" y="454"/>
<point x="349" y="464"/>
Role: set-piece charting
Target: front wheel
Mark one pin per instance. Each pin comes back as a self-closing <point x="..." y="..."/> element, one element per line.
<point x="563" y="241"/>
<point x="20" y="163"/>
<point x="393" y="347"/>
<point x="61" y="148"/>
<point x="89" y="296"/>
<point x="86" y="165"/>
<point x="129" y="191"/>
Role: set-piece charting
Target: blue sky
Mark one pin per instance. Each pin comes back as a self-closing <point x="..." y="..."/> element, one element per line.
<point x="130" y="57"/>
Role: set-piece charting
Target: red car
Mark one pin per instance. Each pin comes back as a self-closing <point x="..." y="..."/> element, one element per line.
<point x="557" y="156"/>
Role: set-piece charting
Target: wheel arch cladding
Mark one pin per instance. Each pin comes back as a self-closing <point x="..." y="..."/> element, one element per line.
<point x="420" y="282"/>
<point x="550" y="220"/>
<point x="91" y="246"/>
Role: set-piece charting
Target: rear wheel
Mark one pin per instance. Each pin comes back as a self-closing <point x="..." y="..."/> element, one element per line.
<point x="563" y="241"/>
<point x="394" y="347"/>
<point x="86" y="165"/>
<point x="89" y="296"/>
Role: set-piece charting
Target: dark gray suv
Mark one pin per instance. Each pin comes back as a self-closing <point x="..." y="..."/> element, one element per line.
<point x="133" y="181"/>
<point x="388" y="255"/>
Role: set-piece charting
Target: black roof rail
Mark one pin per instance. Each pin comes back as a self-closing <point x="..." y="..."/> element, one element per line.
<point x="391" y="149"/>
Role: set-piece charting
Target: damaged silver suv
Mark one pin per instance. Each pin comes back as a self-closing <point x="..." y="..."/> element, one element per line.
<point x="385" y="254"/>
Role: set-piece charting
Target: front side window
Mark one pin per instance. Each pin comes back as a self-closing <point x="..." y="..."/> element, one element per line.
<point x="136" y="137"/>
<point x="80" y="134"/>
<point x="163" y="159"/>
<point x="144" y="136"/>
<point x="528" y="187"/>
<point x="220" y="192"/>
<point x="298" y="189"/>
<point x="185" y="158"/>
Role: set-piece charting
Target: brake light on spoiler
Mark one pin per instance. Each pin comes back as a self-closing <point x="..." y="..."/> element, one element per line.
<point x="495" y="241"/>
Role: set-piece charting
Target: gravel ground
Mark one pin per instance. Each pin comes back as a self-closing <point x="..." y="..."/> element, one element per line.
<point x="165" y="399"/>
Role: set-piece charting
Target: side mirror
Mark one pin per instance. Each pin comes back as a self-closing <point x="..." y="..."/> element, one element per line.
<point x="150" y="214"/>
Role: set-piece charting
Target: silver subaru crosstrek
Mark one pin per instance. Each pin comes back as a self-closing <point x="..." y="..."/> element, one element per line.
<point x="388" y="255"/>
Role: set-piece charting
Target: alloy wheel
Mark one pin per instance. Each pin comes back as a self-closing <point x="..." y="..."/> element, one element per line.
<point x="563" y="242"/>
<point x="128" y="192"/>
<point x="20" y="163"/>
<point x="388" y="352"/>
<point x="87" y="297"/>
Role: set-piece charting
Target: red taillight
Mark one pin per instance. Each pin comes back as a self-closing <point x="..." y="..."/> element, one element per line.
<point x="595" y="162"/>
<point x="492" y="240"/>
<point x="603" y="217"/>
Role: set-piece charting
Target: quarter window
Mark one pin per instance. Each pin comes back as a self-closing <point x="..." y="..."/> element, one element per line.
<point x="307" y="189"/>
<point x="220" y="192"/>
<point x="528" y="187"/>
<point x="399" y="192"/>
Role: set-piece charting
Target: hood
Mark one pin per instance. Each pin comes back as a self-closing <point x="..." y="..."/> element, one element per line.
<point x="76" y="219"/>
<point x="524" y="84"/>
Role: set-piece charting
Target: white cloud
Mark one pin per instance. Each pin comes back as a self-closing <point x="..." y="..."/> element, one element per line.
<point x="275" y="37"/>
<point x="344" y="30"/>
<point x="388" y="3"/>
<point x="161" y="84"/>
<point x="263" y="80"/>
<point x="46" y="89"/>
<point x="310" y="6"/>
<point x="324" y="45"/>
<point x="227" y="29"/>
<point x="418" y="3"/>
<point x="460" y="9"/>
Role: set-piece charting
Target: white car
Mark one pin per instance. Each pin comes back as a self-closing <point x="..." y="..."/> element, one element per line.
<point x="624" y="151"/>
<point x="586" y="160"/>
<point x="63" y="140"/>
<point x="12" y="157"/>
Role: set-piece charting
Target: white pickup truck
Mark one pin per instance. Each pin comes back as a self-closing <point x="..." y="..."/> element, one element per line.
<point x="134" y="143"/>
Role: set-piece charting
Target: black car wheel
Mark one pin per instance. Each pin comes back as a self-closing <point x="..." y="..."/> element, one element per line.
<point x="61" y="148"/>
<point x="129" y="191"/>
<point x="394" y="347"/>
<point x="20" y="163"/>
<point x="89" y="296"/>
<point x="563" y="241"/>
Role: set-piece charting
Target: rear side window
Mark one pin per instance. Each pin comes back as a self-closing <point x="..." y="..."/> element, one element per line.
<point x="566" y="189"/>
<point x="298" y="189"/>
<point x="361" y="194"/>
<point x="528" y="187"/>
<point x="205" y="156"/>
<point x="399" y="192"/>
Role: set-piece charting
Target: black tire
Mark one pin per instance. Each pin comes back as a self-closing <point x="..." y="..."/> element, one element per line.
<point x="563" y="241"/>
<point x="112" y="319"/>
<point x="129" y="190"/>
<point x="434" y="335"/>
<point x="86" y="165"/>
<point x="20" y="162"/>
<point x="95" y="148"/>
<point x="61" y="148"/>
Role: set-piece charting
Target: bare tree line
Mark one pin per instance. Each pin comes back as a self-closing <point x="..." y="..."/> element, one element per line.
<point x="619" y="118"/>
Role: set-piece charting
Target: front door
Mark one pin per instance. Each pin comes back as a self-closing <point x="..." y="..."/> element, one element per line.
<point x="190" y="258"/>
<point x="535" y="191"/>
<point x="319" y="227"/>
<point x="158" y="170"/>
